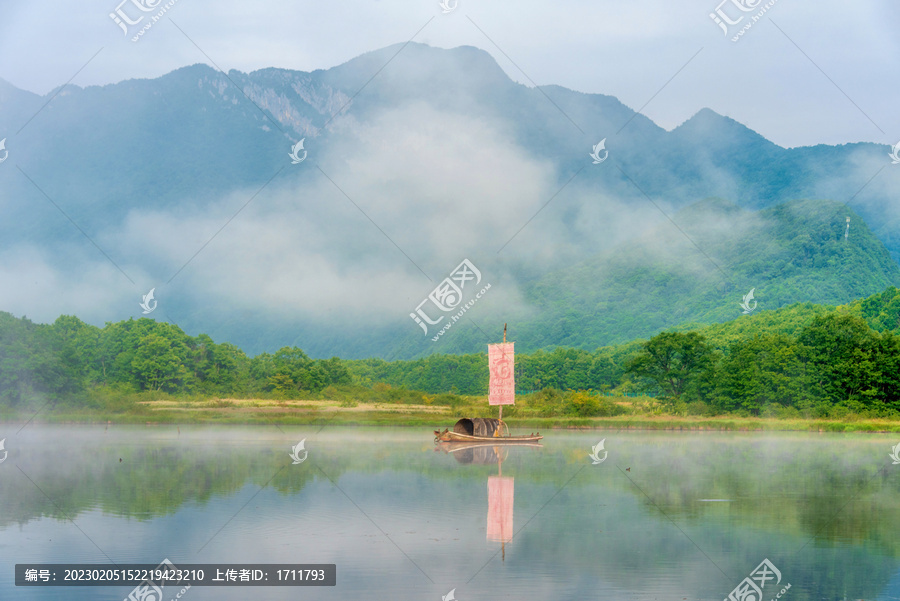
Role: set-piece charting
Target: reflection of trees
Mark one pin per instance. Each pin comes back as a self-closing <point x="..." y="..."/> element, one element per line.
<point x="801" y="490"/>
<point x="833" y="498"/>
<point x="146" y="483"/>
<point x="804" y="489"/>
<point x="785" y="490"/>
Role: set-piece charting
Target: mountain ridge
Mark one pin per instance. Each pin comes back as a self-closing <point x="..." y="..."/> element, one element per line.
<point x="190" y="141"/>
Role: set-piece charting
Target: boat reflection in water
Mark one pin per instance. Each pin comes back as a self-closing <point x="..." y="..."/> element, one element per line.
<point x="501" y="489"/>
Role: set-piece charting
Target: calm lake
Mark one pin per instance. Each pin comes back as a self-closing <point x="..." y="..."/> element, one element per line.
<point x="677" y="515"/>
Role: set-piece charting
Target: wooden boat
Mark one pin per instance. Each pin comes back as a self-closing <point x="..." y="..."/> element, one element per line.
<point x="448" y="436"/>
<point x="502" y="391"/>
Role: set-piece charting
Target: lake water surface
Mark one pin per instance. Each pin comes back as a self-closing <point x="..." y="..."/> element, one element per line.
<point x="675" y="515"/>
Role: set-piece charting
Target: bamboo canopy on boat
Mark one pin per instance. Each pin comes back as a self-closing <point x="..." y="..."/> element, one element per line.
<point x="478" y="426"/>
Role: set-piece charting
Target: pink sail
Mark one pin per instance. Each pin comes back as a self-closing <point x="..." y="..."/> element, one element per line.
<point x="500" y="508"/>
<point x="503" y="383"/>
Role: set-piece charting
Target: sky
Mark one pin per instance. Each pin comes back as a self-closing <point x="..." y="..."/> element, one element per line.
<point x="803" y="74"/>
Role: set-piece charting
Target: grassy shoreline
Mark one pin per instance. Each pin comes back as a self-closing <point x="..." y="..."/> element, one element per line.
<point x="323" y="412"/>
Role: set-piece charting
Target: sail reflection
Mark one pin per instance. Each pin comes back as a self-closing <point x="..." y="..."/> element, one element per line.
<point x="501" y="489"/>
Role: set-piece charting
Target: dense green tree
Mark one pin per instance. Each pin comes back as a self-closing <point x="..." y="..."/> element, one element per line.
<point x="887" y="380"/>
<point x="78" y="345"/>
<point x="158" y="363"/>
<point x="841" y="355"/>
<point x="673" y="362"/>
<point x="218" y="368"/>
<point x="31" y="369"/>
<point x="881" y="311"/>
<point x="764" y="370"/>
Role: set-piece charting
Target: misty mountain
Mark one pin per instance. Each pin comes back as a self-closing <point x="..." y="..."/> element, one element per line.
<point x="418" y="158"/>
<point x="698" y="270"/>
<point x="793" y="252"/>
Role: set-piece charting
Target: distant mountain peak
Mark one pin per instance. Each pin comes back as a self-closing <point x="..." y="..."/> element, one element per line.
<point x="462" y="63"/>
<point x="710" y="124"/>
<point x="705" y="116"/>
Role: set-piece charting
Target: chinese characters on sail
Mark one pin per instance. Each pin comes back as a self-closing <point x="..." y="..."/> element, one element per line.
<point x="502" y="388"/>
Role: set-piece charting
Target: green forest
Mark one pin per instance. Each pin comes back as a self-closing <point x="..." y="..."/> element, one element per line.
<point x="804" y="360"/>
<point x="795" y="251"/>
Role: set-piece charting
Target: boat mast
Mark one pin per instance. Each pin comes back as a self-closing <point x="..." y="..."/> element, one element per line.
<point x="500" y="419"/>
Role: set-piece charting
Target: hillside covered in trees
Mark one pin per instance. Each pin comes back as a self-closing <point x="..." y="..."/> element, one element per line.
<point x="697" y="272"/>
<point x="804" y="359"/>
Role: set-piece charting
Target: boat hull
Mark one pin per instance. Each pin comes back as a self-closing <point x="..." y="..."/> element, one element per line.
<point x="448" y="436"/>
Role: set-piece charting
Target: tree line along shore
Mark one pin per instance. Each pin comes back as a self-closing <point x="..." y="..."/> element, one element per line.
<point x="802" y="362"/>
